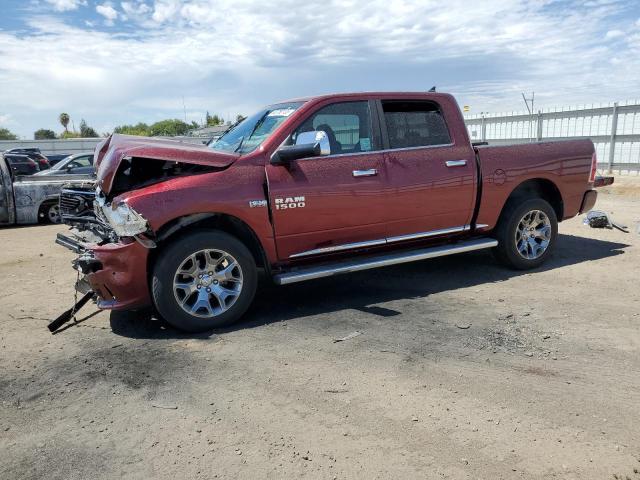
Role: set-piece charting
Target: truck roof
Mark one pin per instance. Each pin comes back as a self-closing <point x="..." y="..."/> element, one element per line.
<point x="367" y="94"/>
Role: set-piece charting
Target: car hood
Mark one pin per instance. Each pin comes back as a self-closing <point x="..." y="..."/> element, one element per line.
<point x="111" y="151"/>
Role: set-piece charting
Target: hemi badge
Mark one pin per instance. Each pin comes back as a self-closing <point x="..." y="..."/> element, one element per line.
<point x="257" y="203"/>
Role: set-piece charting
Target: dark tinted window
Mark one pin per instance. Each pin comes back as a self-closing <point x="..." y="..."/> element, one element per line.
<point x="347" y="124"/>
<point x="414" y="124"/>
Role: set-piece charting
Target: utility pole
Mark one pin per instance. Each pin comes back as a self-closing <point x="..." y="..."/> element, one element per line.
<point x="530" y="110"/>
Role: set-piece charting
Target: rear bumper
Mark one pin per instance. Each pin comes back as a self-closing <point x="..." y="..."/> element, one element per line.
<point x="116" y="272"/>
<point x="588" y="200"/>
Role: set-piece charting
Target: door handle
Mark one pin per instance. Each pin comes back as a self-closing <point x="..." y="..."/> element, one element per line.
<point x="365" y="173"/>
<point x="455" y="163"/>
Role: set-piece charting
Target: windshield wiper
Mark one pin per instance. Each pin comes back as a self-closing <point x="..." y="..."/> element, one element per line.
<point x="229" y="128"/>
<point x="239" y="144"/>
<point x="253" y="130"/>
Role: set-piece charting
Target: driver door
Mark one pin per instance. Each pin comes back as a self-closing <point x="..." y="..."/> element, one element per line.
<point x="332" y="203"/>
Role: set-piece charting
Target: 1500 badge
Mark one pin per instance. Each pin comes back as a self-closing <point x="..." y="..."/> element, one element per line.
<point x="289" y="203"/>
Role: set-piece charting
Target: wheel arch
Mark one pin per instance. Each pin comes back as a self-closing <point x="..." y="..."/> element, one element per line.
<point x="230" y="224"/>
<point x="538" y="187"/>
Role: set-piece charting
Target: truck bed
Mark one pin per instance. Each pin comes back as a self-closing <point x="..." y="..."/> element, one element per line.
<point x="565" y="165"/>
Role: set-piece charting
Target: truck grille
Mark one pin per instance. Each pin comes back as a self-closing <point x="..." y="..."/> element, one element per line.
<point x="77" y="210"/>
<point x="76" y="204"/>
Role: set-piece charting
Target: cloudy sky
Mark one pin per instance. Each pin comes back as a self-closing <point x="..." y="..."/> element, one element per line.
<point x="114" y="62"/>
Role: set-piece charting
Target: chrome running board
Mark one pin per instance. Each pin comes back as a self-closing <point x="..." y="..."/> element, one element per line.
<point x="313" y="272"/>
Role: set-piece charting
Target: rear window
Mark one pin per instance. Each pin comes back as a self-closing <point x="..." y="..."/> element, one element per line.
<point x="415" y="124"/>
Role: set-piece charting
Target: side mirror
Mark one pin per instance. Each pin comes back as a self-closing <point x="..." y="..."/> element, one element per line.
<point x="308" y="144"/>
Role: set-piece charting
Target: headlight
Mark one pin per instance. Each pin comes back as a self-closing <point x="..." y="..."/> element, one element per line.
<point x="124" y="220"/>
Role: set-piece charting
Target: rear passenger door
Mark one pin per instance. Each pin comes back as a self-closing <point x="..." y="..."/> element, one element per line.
<point x="431" y="178"/>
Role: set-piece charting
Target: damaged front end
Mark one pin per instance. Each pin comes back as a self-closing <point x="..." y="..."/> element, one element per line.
<point x="112" y="242"/>
<point x="112" y="239"/>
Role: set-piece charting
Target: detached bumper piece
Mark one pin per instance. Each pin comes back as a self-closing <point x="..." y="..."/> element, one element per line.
<point x="68" y="314"/>
<point x="69" y="243"/>
<point x="599" y="219"/>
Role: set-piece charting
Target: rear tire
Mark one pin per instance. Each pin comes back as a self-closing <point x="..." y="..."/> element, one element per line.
<point x="527" y="231"/>
<point x="204" y="280"/>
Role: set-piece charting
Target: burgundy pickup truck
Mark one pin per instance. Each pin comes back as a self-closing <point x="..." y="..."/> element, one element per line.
<point x="312" y="188"/>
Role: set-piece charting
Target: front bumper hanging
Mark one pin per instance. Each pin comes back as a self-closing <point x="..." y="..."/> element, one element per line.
<point x="69" y="314"/>
<point x="115" y="272"/>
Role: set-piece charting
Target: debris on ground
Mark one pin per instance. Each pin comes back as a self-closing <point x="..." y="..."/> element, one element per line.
<point x="600" y="219"/>
<point x="348" y="337"/>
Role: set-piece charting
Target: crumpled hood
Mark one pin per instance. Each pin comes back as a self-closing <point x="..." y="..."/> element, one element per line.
<point x="111" y="151"/>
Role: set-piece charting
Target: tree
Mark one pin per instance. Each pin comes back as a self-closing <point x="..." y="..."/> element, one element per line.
<point x="44" y="134"/>
<point x="141" y="129"/>
<point x="214" y="120"/>
<point x="64" y="120"/>
<point x="68" y="134"/>
<point x="169" y="128"/>
<point x="5" y="134"/>
<point x="86" y="131"/>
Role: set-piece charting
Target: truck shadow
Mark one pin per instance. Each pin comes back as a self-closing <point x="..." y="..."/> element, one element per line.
<point x="363" y="290"/>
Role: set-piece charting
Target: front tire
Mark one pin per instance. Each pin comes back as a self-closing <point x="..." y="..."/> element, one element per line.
<point x="50" y="213"/>
<point x="526" y="233"/>
<point x="204" y="280"/>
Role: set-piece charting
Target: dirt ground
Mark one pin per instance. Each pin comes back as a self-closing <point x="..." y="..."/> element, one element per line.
<point x="462" y="369"/>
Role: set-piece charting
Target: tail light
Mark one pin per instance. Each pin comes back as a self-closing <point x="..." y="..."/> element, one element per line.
<point x="594" y="167"/>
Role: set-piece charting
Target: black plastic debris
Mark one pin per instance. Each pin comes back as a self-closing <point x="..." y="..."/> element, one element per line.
<point x="600" y="219"/>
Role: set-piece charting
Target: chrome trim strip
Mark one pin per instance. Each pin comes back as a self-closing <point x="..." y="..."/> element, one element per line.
<point x="382" y="241"/>
<point x="481" y="225"/>
<point x="338" y="248"/>
<point x="432" y="233"/>
<point x="78" y="192"/>
<point x="382" y="261"/>
<point x="403" y="149"/>
<point x="333" y="155"/>
<point x="370" y="152"/>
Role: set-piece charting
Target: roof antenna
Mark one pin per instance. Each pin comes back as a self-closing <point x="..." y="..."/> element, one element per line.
<point x="432" y="89"/>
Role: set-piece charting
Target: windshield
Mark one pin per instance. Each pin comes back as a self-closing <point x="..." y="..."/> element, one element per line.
<point x="247" y="135"/>
<point x="62" y="163"/>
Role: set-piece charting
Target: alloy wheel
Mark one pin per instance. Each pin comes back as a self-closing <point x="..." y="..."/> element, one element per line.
<point x="207" y="283"/>
<point x="533" y="234"/>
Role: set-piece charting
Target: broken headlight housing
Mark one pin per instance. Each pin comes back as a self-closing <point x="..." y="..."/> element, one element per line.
<point x="124" y="220"/>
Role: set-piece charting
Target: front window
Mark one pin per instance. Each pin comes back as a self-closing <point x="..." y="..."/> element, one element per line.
<point x="247" y="135"/>
<point x="347" y="125"/>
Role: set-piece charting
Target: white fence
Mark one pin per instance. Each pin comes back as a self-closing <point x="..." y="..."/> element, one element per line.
<point x="614" y="130"/>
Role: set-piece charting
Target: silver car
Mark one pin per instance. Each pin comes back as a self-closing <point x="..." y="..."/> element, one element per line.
<point x="77" y="164"/>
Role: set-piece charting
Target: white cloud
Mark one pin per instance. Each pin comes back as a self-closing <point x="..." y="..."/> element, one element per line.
<point x="65" y="5"/>
<point x="229" y="56"/>
<point x="613" y="34"/>
<point x="108" y="12"/>
<point x="135" y="9"/>
<point x="165" y="9"/>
